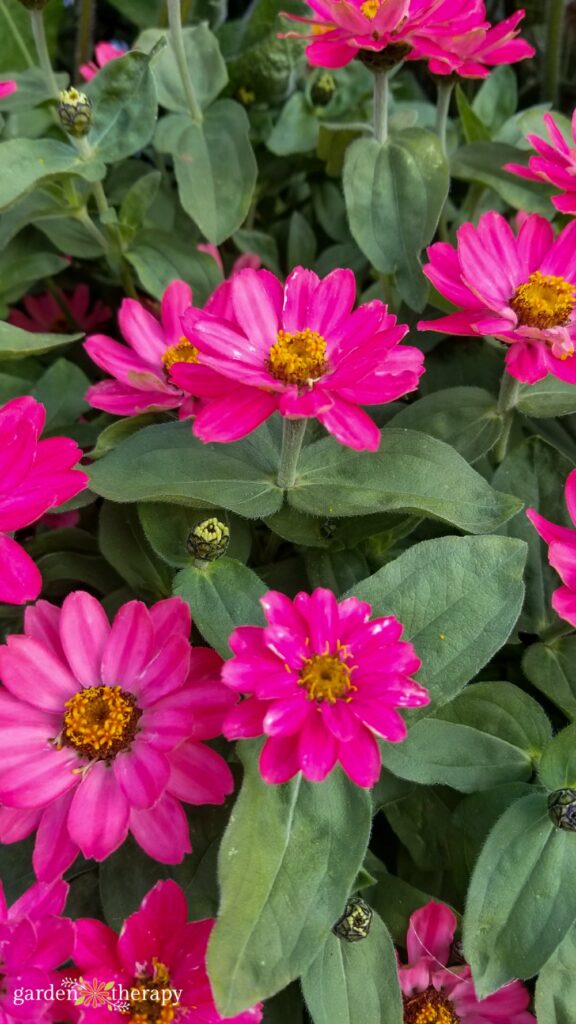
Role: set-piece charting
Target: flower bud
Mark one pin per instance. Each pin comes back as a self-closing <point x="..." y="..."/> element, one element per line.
<point x="386" y="59"/>
<point x="209" y="540"/>
<point x="323" y="90"/>
<point x="355" y="922"/>
<point x="34" y="5"/>
<point x="562" y="809"/>
<point x="75" y="112"/>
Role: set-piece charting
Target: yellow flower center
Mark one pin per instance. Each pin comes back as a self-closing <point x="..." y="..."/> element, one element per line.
<point x="370" y="9"/>
<point x="148" y="1009"/>
<point x="326" y="677"/>
<point x="429" y="1007"/>
<point x="183" y="352"/>
<point x="100" y="721"/>
<point x="544" y="301"/>
<point x="298" y="358"/>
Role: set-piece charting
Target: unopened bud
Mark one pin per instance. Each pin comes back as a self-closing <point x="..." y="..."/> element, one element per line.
<point x="562" y="809"/>
<point x="75" y="112"/>
<point x="355" y="922"/>
<point x="209" y="540"/>
<point x="323" y="90"/>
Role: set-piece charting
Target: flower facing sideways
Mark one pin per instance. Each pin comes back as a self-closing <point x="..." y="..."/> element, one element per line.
<point x="100" y="727"/>
<point x="519" y="288"/>
<point x="299" y="349"/>
<point x="554" y="164"/>
<point x="324" y="681"/>
<point x="561" y="553"/>
<point x="434" y="993"/>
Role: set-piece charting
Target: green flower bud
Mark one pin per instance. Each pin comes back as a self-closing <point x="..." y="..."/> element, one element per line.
<point x="34" y="5"/>
<point x="562" y="809"/>
<point x="355" y="922"/>
<point x="209" y="540"/>
<point x="75" y="112"/>
<point x="323" y="90"/>
<point x="386" y="59"/>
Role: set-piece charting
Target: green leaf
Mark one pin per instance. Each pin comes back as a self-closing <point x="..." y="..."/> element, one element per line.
<point x="301" y="242"/>
<point x="138" y="201"/>
<point x="123" y="544"/>
<point x="410" y="473"/>
<point x="520" y="906"/>
<point x="497" y="98"/>
<point x="465" y="418"/>
<point x="352" y="983"/>
<point x="474" y="129"/>
<point x="458" y="599"/>
<point x="61" y="390"/>
<point x="396" y="900"/>
<point x="558" y="765"/>
<point x="483" y="162"/>
<point x="395" y="192"/>
<point x="296" y="130"/>
<point x="548" y="397"/>
<point x="25" y="162"/>
<point x="556" y="985"/>
<point x="222" y="595"/>
<point x="159" y="258"/>
<point x="551" y="668"/>
<point x="16" y="343"/>
<point x="125" y="107"/>
<point x="205" y="65"/>
<point x="287" y="864"/>
<point x="16" y="40"/>
<point x="492" y="733"/>
<point x="337" y="570"/>
<point x="167" y="463"/>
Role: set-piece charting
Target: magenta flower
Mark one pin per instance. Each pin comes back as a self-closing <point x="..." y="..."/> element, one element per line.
<point x="519" y="288"/>
<point x="100" y="728"/>
<point x="7" y="88"/>
<point x="104" y="53"/>
<point x="324" y="681"/>
<point x="433" y="991"/>
<point x="35" y="476"/>
<point x="472" y="54"/>
<point x="34" y="941"/>
<point x="44" y="315"/>
<point x="298" y="350"/>
<point x="158" y="951"/>
<point x="561" y="553"/>
<point x="555" y="164"/>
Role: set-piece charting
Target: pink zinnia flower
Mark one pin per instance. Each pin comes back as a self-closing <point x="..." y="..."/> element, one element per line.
<point x="555" y="164"/>
<point x="157" y="949"/>
<point x="34" y="941"/>
<point x="298" y="350"/>
<point x="561" y="552"/>
<point x="7" y="88"/>
<point x="324" y="682"/>
<point x="43" y="314"/>
<point x="99" y="729"/>
<point x="519" y="288"/>
<point x="35" y="476"/>
<point x="433" y="991"/>
<point x="472" y="54"/>
<point x="104" y="53"/>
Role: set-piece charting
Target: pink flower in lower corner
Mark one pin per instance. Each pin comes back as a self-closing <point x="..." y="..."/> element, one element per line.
<point x="298" y="349"/>
<point x="7" y="88"/>
<point x="34" y="941"/>
<point x="100" y="730"/>
<point x="555" y="164"/>
<point x="324" y="681"/>
<point x="519" y="288"/>
<point x="561" y="553"/>
<point x="158" y="959"/>
<point x="433" y="991"/>
<point x="42" y="314"/>
<point x="35" y="476"/>
<point x="103" y="53"/>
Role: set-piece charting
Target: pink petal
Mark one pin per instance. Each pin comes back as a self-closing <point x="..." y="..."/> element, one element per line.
<point x="286" y="717"/>
<point x="235" y="415"/>
<point x="166" y="672"/>
<point x="360" y="759"/>
<point x="99" y="813"/>
<point x="54" y="850"/>
<point x="317" y="748"/>
<point x="381" y="718"/>
<point x="142" y="774"/>
<point x="41" y="621"/>
<point x="32" y="672"/>
<point x="20" y="580"/>
<point x="245" y="720"/>
<point x="298" y="308"/>
<point x="176" y="299"/>
<point x="162" y="831"/>
<point x="351" y="426"/>
<point x="129" y="647"/>
<point x="257" y="298"/>
<point x="143" y="332"/>
<point x="84" y="631"/>
<point x="564" y="604"/>
<point x="171" y="616"/>
<point x="198" y="775"/>
<point x="279" y="760"/>
<point x="430" y="933"/>
<point x="95" y="945"/>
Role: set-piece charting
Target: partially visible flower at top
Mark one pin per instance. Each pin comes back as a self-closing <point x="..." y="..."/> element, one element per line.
<point x="100" y="727"/>
<point x="7" y="88"/>
<point x="34" y="941"/>
<point x="246" y="260"/>
<point x="324" y="681"/>
<point x="437" y="993"/>
<point x="104" y="53"/>
<point x="35" y="475"/>
<point x="159" y="953"/>
<point x="43" y="315"/>
<point x="555" y="164"/>
<point x="299" y="349"/>
<point x="561" y="552"/>
<point x="519" y="288"/>
<point x="474" y="53"/>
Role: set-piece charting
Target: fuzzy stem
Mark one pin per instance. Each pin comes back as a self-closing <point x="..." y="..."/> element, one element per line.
<point x="39" y="33"/>
<point x="381" y="98"/>
<point x="554" y="49"/>
<point x="445" y="90"/>
<point x="507" y="401"/>
<point x="84" y="37"/>
<point x="177" y="40"/>
<point x="292" y="437"/>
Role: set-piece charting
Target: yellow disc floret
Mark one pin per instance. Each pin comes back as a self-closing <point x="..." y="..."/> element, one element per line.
<point x="429" y="1007"/>
<point x="370" y="9"/>
<point x="298" y="358"/>
<point x="326" y="677"/>
<point x="152" y="1007"/>
<point x="544" y="301"/>
<point x="100" y="721"/>
<point x="183" y="352"/>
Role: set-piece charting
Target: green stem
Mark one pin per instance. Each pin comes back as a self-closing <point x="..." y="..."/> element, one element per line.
<point x="445" y="90"/>
<point x="84" y="36"/>
<point x="554" y="49"/>
<point x="381" y="98"/>
<point x="39" y="33"/>
<point x="85" y="219"/>
<point x="177" y="40"/>
<point x="18" y="39"/>
<point x="507" y="401"/>
<point x="292" y="437"/>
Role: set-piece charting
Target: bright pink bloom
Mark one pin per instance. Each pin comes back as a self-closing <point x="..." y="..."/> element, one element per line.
<point x="104" y="53"/>
<point x="7" y="88"/>
<point x="100" y="728"/>
<point x="555" y="164"/>
<point x="472" y="54"/>
<point x="324" y="681"/>
<point x="35" y="476"/>
<point x="519" y="288"/>
<point x="34" y="941"/>
<point x="44" y="315"/>
<point x="157" y="948"/>
<point x="298" y="350"/>
<point x="561" y="552"/>
<point x="428" y="983"/>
